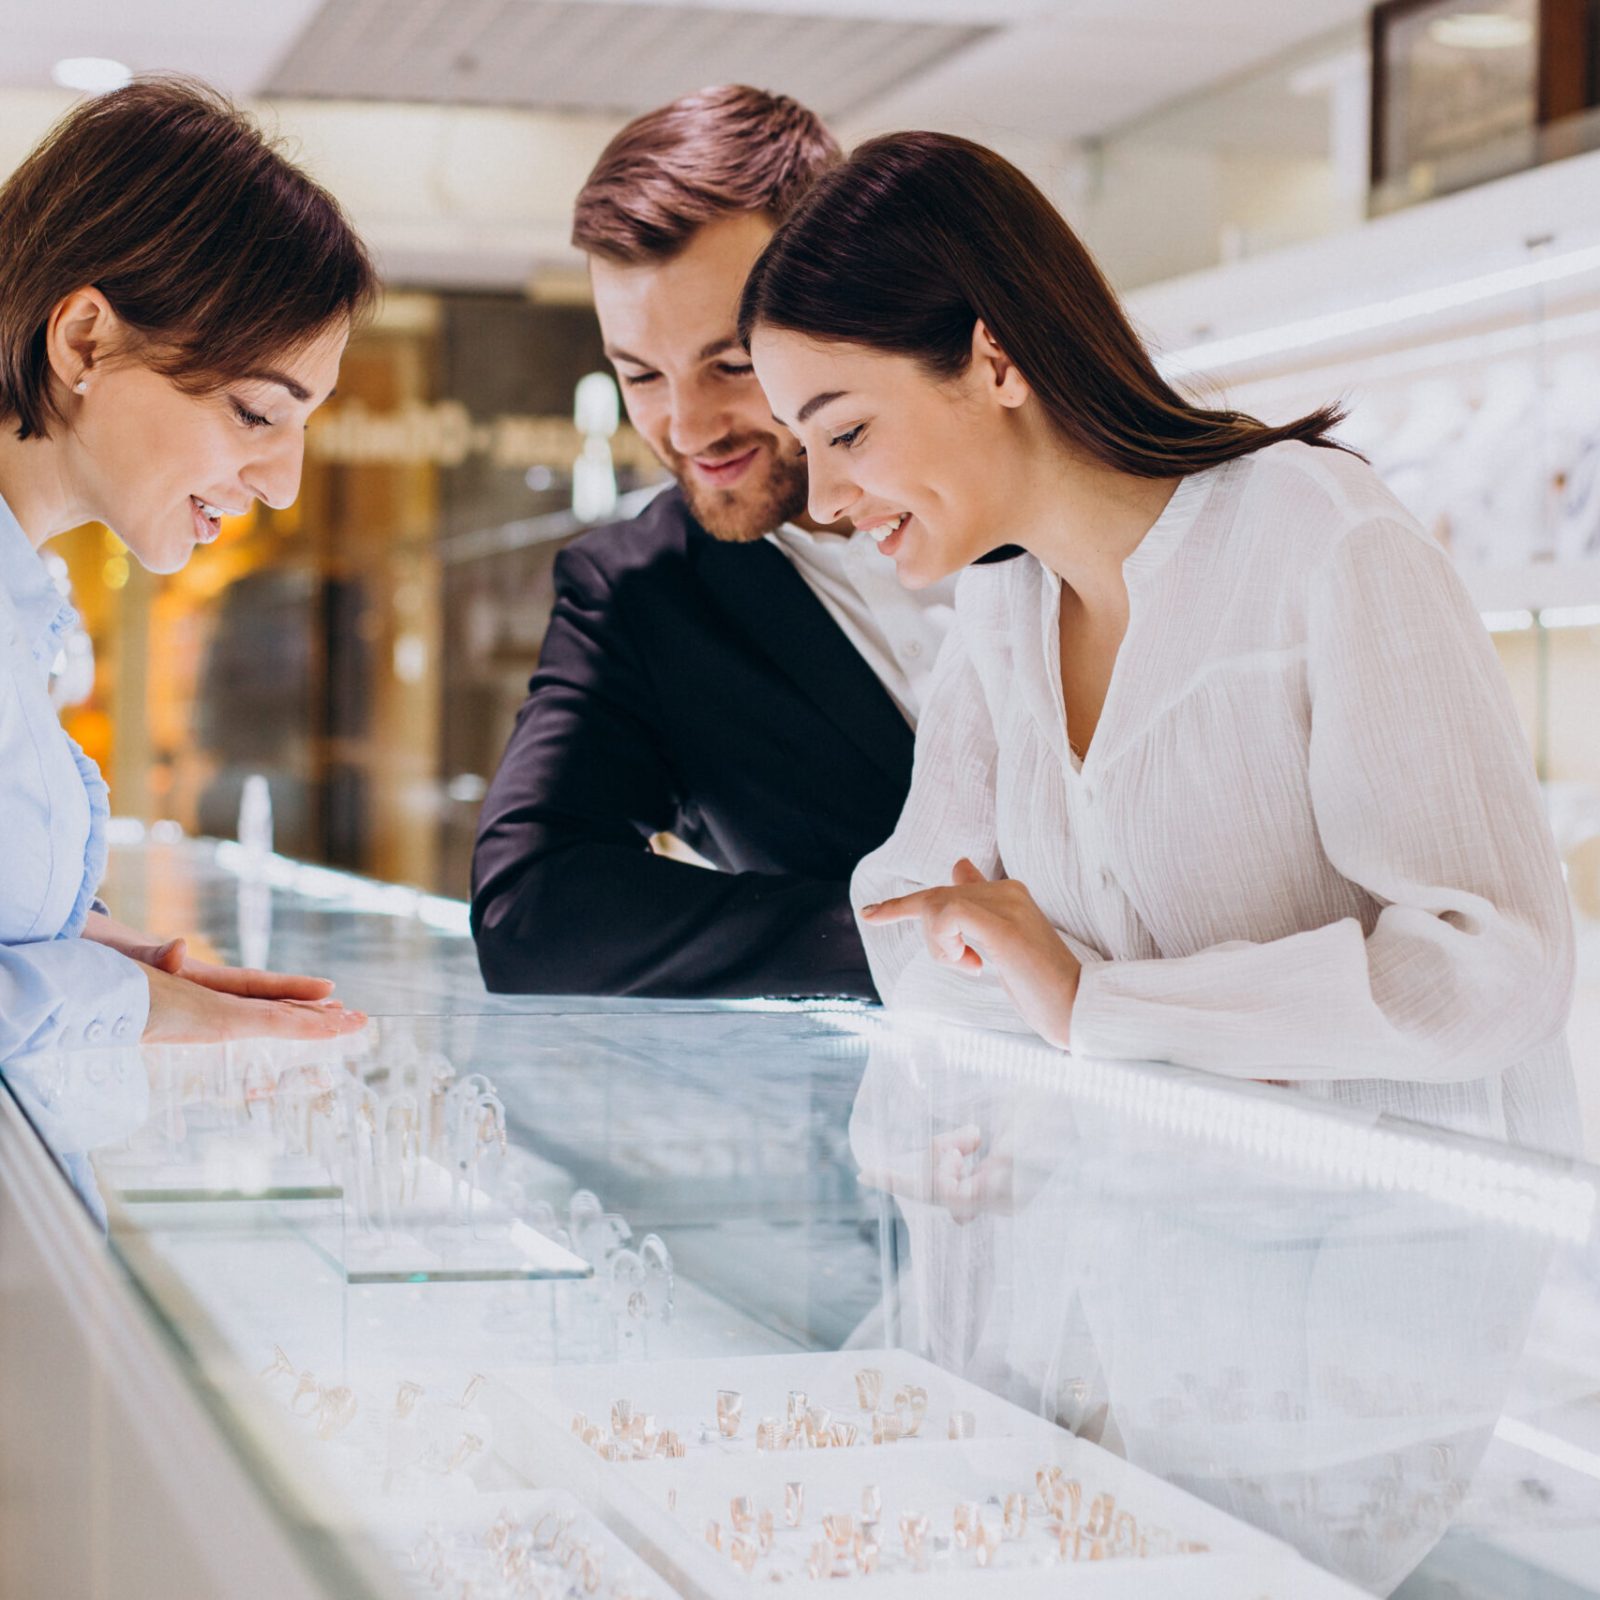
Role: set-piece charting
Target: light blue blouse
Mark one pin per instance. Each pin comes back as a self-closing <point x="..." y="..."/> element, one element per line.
<point x="57" y="990"/>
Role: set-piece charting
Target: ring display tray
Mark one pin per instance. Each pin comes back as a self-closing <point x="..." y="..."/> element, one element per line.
<point x="700" y="1517"/>
<point x="544" y="1539"/>
<point x="682" y="1396"/>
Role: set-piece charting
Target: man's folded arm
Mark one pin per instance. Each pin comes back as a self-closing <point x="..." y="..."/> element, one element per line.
<point x="568" y="898"/>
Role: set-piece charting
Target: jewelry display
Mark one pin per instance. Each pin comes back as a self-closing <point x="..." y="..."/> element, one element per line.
<point x="745" y="1407"/>
<point x="452" y="1431"/>
<point x="330" y="1407"/>
<point x="336" y="1407"/>
<point x="544" y="1547"/>
<point x="938" y="1510"/>
<point x="403" y="1443"/>
<point x="227" y="1122"/>
<point x="421" y="1156"/>
<point x="306" y="1394"/>
<point x="1013" y="1527"/>
<point x="279" y="1366"/>
<point x="910" y="1407"/>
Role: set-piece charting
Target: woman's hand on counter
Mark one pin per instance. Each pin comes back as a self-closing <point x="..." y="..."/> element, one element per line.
<point x="183" y="1011"/>
<point x="172" y="956"/>
<point x="976" y="922"/>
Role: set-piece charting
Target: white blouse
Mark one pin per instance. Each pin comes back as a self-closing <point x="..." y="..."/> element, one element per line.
<point x="1306" y="843"/>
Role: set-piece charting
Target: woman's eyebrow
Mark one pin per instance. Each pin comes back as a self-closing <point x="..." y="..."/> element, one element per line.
<point x="272" y="375"/>
<point x="812" y="406"/>
<point x="818" y="401"/>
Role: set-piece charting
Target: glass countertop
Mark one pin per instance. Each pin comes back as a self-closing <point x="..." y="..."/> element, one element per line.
<point x="570" y="1297"/>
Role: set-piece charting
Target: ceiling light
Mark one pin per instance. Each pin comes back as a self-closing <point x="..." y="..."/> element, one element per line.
<point x="1481" y="30"/>
<point x="90" y="74"/>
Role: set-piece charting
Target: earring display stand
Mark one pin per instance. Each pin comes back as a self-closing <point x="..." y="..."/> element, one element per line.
<point x="446" y="1231"/>
<point x="237" y="1122"/>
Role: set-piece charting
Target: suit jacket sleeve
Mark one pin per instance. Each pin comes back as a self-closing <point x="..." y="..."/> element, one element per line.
<point x="567" y="896"/>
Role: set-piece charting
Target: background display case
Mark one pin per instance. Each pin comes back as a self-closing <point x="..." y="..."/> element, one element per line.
<point x="798" y="1296"/>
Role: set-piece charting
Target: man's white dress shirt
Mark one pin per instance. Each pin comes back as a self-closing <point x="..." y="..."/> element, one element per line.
<point x="1306" y="842"/>
<point x="896" y="631"/>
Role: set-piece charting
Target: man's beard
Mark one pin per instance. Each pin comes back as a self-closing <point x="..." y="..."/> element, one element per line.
<point x="772" y="492"/>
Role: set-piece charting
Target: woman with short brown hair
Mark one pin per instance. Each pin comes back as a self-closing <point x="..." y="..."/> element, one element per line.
<point x="175" y="297"/>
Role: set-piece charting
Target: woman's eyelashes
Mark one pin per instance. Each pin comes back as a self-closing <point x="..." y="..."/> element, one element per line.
<point x="843" y="441"/>
<point x="725" y="369"/>
<point x="251" y="419"/>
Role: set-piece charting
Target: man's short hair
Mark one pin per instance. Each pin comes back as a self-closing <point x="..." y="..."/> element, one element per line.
<point x="715" y="153"/>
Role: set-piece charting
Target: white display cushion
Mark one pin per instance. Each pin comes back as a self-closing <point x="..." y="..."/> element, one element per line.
<point x="665" y="1505"/>
<point x="428" y="1540"/>
<point x="682" y="1396"/>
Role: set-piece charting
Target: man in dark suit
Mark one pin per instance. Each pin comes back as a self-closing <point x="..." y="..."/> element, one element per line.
<point x="720" y="668"/>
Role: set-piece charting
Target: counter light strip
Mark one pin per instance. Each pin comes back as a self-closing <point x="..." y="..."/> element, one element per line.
<point x="1548" y="1445"/>
<point x="1504" y="1190"/>
<point x="1548" y="617"/>
<point x="1210" y="354"/>
<point x="359" y="894"/>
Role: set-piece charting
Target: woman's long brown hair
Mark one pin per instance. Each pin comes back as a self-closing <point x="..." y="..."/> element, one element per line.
<point x="918" y="235"/>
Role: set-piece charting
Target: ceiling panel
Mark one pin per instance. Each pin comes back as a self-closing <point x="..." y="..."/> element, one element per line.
<point x="1083" y="68"/>
<point x="580" y="55"/>
<point x="231" y="43"/>
<point x="1047" y="69"/>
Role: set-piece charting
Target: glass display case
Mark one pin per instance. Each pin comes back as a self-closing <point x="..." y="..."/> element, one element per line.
<point x="550" y="1298"/>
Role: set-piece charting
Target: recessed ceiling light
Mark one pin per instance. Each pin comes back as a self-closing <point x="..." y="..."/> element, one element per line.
<point x="1481" y="30"/>
<point x="90" y="74"/>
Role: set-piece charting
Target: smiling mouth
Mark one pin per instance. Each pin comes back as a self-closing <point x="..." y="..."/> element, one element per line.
<point x="208" y="518"/>
<point x="878" y="532"/>
<point x="728" y="469"/>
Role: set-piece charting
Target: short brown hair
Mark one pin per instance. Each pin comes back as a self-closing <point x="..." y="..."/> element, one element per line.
<point x="214" y="250"/>
<point x="711" y="154"/>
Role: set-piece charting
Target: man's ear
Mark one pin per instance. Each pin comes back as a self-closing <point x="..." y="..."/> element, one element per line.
<point x="1000" y="374"/>
<point x="81" y="333"/>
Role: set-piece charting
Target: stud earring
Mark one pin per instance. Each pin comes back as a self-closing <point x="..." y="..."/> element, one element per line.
<point x="81" y="386"/>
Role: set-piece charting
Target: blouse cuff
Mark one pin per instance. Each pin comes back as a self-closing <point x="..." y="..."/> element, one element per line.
<point x="74" y="994"/>
<point x="1094" y="1022"/>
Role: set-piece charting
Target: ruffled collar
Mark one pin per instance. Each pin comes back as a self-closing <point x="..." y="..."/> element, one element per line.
<point x="43" y="614"/>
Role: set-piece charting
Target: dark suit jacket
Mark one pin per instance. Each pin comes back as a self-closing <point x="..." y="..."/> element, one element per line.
<point x="697" y="687"/>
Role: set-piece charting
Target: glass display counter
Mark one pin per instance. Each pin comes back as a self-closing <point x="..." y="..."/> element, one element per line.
<point x="560" y="1299"/>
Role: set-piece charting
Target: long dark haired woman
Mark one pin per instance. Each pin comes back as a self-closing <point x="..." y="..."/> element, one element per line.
<point x="175" y="297"/>
<point x="1220" y="767"/>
